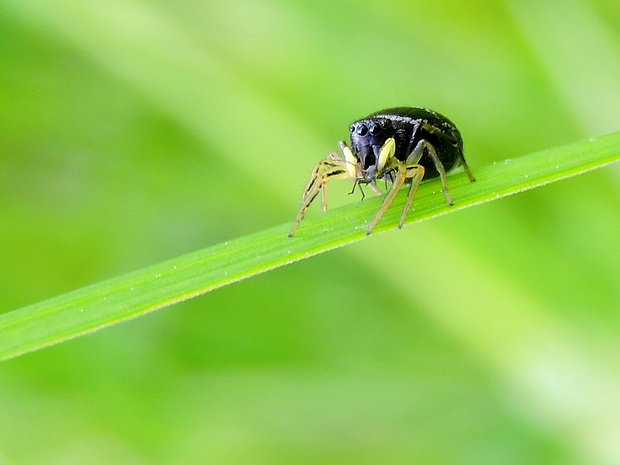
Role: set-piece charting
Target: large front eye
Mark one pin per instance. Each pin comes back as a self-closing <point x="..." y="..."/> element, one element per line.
<point x="375" y="129"/>
<point x="361" y="130"/>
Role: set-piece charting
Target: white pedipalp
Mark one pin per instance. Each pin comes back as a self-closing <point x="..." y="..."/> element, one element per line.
<point x="385" y="153"/>
<point x="351" y="163"/>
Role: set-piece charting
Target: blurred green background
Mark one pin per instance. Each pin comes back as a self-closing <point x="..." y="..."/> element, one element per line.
<point x="135" y="131"/>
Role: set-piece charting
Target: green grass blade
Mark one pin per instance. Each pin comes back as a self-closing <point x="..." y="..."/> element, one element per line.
<point x="108" y="302"/>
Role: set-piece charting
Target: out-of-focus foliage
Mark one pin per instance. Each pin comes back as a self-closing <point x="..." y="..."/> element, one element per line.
<point x="131" y="132"/>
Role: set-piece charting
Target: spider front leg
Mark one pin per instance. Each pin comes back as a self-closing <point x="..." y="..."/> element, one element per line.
<point x="333" y="167"/>
<point x="397" y="183"/>
<point x="388" y="163"/>
<point x="411" y="169"/>
<point x="416" y="173"/>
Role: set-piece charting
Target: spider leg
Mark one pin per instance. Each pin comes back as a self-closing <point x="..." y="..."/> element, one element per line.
<point x="470" y="175"/>
<point x="415" y="157"/>
<point x="323" y="197"/>
<point x="416" y="177"/>
<point x="331" y="168"/>
<point x="433" y="130"/>
<point x="442" y="172"/>
<point x="375" y="189"/>
<point x="397" y="183"/>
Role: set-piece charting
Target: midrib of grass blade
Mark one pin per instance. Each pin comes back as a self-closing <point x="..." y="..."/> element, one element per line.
<point x="127" y="296"/>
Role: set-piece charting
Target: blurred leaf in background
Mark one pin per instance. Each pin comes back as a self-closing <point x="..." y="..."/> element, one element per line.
<point x="131" y="132"/>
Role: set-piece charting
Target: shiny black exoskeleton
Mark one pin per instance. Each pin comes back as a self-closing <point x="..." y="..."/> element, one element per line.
<point x="407" y="126"/>
<point x="398" y="145"/>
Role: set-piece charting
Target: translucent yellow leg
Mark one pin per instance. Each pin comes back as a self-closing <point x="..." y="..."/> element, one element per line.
<point x="415" y="182"/>
<point x="415" y="157"/>
<point x="399" y="179"/>
<point x="332" y="168"/>
<point x="441" y="134"/>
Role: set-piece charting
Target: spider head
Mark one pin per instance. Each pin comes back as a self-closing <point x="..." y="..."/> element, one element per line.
<point x="372" y="147"/>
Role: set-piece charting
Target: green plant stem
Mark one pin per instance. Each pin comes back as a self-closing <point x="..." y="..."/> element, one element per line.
<point x="112" y="301"/>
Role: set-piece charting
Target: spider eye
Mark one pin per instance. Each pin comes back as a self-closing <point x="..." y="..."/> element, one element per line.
<point x="361" y="130"/>
<point x="375" y="129"/>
